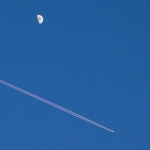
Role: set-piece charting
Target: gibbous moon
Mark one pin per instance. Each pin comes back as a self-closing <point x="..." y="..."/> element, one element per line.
<point x="40" y="19"/>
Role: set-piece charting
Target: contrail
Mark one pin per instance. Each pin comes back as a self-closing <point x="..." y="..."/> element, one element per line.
<point x="54" y="105"/>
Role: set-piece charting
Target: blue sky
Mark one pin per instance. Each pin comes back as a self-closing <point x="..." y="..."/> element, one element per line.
<point x="91" y="57"/>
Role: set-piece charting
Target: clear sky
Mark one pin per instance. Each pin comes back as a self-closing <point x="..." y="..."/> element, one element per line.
<point x="92" y="57"/>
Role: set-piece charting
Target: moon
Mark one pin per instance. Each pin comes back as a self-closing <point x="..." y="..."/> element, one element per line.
<point x="40" y="19"/>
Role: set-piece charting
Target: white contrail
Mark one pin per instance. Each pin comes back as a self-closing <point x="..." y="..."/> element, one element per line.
<point x="54" y="105"/>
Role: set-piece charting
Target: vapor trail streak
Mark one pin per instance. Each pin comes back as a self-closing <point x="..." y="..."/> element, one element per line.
<point x="54" y="105"/>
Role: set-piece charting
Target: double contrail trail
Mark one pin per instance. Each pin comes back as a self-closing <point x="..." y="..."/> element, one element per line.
<point x="54" y="105"/>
